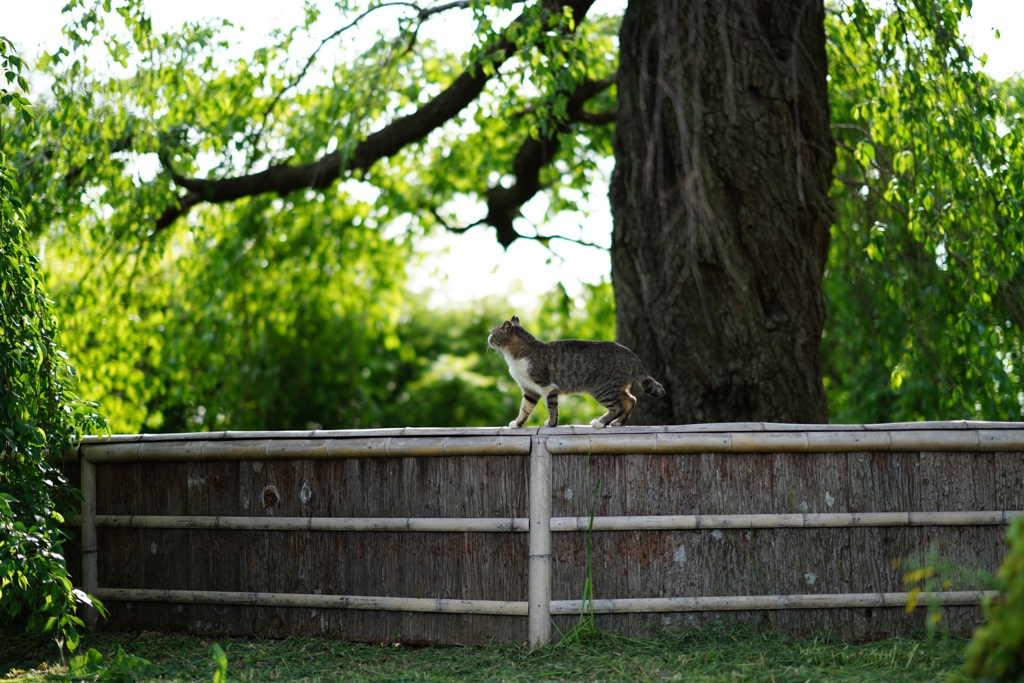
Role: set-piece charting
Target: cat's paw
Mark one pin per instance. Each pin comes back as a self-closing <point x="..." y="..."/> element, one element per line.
<point x="515" y="424"/>
<point x="597" y="424"/>
<point x="549" y="423"/>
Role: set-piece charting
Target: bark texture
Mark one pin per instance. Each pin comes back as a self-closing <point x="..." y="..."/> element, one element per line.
<point x="720" y="203"/>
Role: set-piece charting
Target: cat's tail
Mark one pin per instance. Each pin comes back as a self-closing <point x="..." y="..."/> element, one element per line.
<point x="652" y="386"/>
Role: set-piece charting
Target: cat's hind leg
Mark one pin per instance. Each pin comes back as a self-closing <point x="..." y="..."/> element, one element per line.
<point x="525" y="409"/>
<point x="628" y="402"/>
<point x="619" y="407"/>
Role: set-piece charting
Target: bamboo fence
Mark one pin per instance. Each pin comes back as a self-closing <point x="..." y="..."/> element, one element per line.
<point x="537" y="446"/>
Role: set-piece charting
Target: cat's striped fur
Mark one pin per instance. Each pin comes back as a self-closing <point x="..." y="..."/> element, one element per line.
<point x="605" y="370"/>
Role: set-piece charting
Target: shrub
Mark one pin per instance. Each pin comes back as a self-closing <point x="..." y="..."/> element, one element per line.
<point x="996" y="652"/>
<point x="40" y="417"/>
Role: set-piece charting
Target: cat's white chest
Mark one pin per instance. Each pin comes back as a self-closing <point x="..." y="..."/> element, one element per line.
<point x="519" y="368"/>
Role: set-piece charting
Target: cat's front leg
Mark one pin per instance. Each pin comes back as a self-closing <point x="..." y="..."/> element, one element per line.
<point x="552" y="404"/>
<point x="525" y="409"/>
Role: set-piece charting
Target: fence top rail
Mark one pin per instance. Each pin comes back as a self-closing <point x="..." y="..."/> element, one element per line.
<point x="745" y="437"/>
<point x="713" y="428"/>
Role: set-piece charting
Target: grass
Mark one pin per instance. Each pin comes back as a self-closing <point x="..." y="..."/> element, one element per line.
<point x="707" y="654"/>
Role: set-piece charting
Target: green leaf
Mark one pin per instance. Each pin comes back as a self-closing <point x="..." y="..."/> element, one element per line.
<point x="86" y="665"/>
<point x="220" y="660"/>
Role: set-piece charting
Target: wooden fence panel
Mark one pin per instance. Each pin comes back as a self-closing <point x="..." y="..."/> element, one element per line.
<point x="170" y="510"/>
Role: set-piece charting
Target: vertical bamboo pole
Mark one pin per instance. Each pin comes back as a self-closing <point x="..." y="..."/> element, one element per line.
<point x="540" y="544"/>
<point x="90" y="578"/>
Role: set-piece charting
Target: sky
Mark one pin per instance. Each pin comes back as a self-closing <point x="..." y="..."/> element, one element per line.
<point x="462" y="268"/>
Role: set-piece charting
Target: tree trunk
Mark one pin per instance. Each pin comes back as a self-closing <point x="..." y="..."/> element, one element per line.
<point x="720" y="203"/>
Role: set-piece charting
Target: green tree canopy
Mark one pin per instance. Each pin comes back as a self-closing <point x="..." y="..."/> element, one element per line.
<point x="190" y="311"/>
<point x="227" y="237"/>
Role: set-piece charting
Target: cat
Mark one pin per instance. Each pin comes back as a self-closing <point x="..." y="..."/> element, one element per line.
<point x="605" y="370"/>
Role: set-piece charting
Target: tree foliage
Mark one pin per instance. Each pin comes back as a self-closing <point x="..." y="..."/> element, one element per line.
<point x="40" y="415"/>
<point x="190" y="310"/>
<point x="925" y="274"/>
<point x="228" y="237"/>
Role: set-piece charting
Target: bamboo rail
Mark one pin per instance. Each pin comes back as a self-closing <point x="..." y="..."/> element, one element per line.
<point x="563" y="524"/>
<point x="979" y="440"/>
<point x="963" y="436"/>
<point x="556" y="607"/>
<point x="784" y="521"/>
<point x="733" y="603"/>
<point x="232" y="447"/>
<point x="431" y="605"/>
<point x="413" y="524"/>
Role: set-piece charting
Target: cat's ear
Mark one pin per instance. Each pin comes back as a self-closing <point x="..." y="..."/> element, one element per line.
<point x="506" y="326"/>
<point x="515" y="321"/>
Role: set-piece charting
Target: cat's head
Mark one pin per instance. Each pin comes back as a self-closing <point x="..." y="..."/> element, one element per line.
<point x="508" y="334"/>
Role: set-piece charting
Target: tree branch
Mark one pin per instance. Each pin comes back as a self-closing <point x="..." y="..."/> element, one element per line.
<point x="422" y="14"/>
<point x="317" y="175"/>
<point x="504" y="204"/>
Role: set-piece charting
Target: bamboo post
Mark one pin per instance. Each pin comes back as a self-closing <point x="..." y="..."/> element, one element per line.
<point x="539" y="631"/>
<point x="90" y="573"/>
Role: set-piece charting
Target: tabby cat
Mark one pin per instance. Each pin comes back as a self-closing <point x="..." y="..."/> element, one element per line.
<point x="605" y="370"/>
